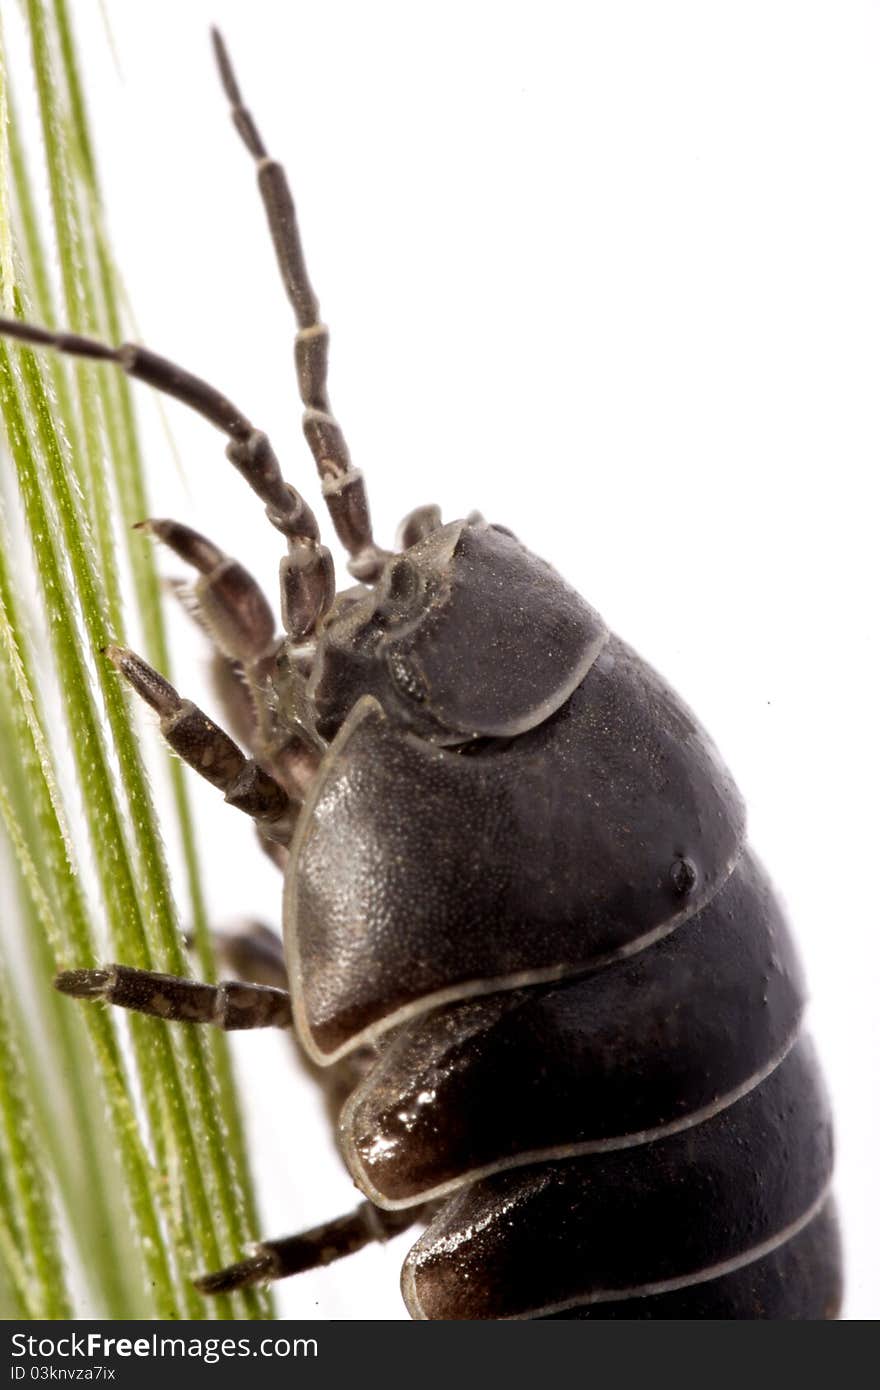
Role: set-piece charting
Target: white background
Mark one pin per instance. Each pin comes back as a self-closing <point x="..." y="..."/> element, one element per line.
<point x="609" y="273"/>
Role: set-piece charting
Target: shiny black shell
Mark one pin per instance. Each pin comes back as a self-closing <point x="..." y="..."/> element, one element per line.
<point x="575" y="983"/>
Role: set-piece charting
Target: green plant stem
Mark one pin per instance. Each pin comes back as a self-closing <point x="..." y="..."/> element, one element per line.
<point x="198" y="1189"/>
<point x="29" y="1170"/>
<point x="76" y="945"/>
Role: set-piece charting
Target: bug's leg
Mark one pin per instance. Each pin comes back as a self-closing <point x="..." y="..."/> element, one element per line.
<point x="205" y="747"/>
<point x="226" y="600"/>
<point x="253" y="952"/>
<point x="418" y="524"/>
<point x="307" y="579"/>
<point x="235" y="696"/>
<point x="229" y="605"/>
<point x="230" y="1005"/>
<point x="246" y="716"/>
<point x="343" y="486"/>
<point x="278" y="853"/>
<point x="278" y="732"/>
<point x="277" y="1259"/>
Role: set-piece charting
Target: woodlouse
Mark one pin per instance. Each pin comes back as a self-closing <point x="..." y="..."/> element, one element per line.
<point x="681" y="868"/>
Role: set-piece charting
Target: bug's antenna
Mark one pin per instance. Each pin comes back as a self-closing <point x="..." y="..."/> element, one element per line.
<point x="343" y="486"/>
<point x="249" y="448"/>
<point x="307" y="582"/>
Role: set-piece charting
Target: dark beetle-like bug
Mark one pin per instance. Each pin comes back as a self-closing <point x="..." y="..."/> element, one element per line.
<point x="552" y="997"/>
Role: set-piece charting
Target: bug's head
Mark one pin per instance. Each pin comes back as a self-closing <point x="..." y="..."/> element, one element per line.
<point x="465" y="635"/>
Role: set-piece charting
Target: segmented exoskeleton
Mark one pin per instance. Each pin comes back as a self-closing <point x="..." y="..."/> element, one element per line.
<point x="548" y="987"/>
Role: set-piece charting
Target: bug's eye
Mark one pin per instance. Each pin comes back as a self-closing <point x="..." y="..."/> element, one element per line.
<point x="398" y="591"/>
<point x="683" y="875"/>
<point x="406" y="678"/>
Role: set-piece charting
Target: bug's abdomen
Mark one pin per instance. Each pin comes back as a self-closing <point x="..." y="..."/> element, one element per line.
<point x="652" y="1219"/>
<point x="591" y="1011"/>
<point x="799" y="1280"/>
<point x="657" y="1129"/>
<point x="647" y="1046"/>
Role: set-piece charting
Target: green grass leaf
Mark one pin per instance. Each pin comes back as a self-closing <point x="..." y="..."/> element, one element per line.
<point x="136" y="1175"/>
